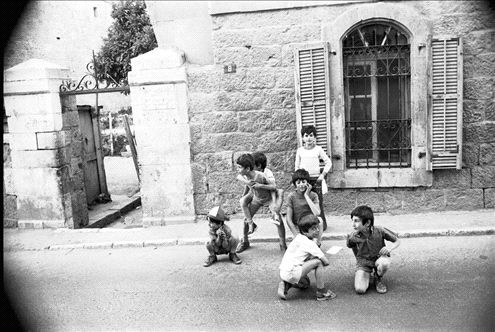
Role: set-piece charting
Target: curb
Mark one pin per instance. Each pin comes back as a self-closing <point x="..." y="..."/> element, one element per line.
<point x="201" y="241"/>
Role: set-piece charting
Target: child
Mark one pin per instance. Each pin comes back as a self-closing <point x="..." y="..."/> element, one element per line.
<point x="368" y="244"/>
<point x="308" y="156"/>
<point x="222" y="241"/>
<point x="301" y="202"/>
<point x="277" y="195"/>
<point x="303" y="256"/>
<point x="260" y="187"/>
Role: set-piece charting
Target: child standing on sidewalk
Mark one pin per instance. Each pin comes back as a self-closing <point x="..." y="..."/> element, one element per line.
<point x="368" y="244"/>
<point x="261" y="189"/>
<point x="222" y="241"/>
<point x="301" y="257"/>
<point x="308" y="157"/>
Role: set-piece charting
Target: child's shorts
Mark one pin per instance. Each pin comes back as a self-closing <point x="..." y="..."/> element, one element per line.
<point x="262" y="202"/>
<point x="293" y="276"/>
<point x="366" y="265"/>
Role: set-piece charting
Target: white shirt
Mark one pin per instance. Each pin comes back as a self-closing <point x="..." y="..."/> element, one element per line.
<point x="269" y="176"/>
<point x="310" y="160"/>
<point x="298" y="251"/>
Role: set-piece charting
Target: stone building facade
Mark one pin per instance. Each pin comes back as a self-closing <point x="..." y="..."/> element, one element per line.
<point x="255" y="107"/>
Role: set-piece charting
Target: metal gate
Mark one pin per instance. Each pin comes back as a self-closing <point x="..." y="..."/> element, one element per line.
<point x="89" y="118"/>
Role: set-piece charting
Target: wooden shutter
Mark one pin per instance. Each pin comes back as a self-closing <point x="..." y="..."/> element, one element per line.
<point x="446" y="103"/>
<point x="313" y="91"/>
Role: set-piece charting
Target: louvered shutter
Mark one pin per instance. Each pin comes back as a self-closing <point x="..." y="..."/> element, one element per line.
<point x="313" y="91"/>
<point x="446" y="103"/>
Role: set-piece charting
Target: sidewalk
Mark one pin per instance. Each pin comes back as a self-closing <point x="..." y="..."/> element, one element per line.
<point x="446" y="223"/>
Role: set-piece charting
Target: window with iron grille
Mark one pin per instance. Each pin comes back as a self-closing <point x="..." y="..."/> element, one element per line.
<point x="377" y="85"/>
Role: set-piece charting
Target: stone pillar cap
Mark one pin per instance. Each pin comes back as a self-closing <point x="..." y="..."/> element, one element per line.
<point x="159" y="58"/>
<point x="34" y="69"/>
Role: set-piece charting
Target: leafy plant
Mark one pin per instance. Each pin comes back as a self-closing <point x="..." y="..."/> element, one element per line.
<point x="130" y="35"/>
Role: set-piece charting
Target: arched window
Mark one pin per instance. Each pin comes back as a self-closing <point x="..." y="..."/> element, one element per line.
<point x="377" y="87"/>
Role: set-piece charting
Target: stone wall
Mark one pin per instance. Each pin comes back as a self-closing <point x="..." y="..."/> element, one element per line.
<point x="9" y="198"/>
<point x="253" y="109"/>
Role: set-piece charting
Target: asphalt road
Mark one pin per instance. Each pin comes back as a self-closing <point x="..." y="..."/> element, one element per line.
<point x="435" y="284"/>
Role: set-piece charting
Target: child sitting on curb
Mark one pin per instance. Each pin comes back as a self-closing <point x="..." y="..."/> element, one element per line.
<point x="222" y="241"/>
<point x="303" y="256"/>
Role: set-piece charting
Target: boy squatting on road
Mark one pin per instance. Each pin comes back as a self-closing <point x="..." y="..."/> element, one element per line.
<point x="308" y="157"/>
<point x="222" y="241"/>
<point x="261" y="189"/>
<point x="301" y="257"/>
<point x="301" y="202"/>
<point x="368" y="244"/>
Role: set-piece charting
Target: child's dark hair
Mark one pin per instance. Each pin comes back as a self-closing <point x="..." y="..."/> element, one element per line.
<point x="216" y="221"/>
<point x="300" y="174"/>
<point x="259" y="160"/>
<point x="246" y="160"/>
<point x="306" y="222"/>
<point x="308" y="130"/>
<point x="364" y="213"/>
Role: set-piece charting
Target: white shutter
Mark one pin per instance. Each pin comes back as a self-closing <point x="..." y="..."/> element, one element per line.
<point x="313" y="91"/>
<point x="446" y="103"/>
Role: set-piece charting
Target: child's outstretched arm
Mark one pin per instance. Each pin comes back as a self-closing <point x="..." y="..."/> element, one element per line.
<point x="325" y="261"/>
<point x="388" y="249"/>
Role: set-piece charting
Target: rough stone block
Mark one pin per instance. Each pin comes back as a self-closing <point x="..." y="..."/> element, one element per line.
<point x="465" y="199"/>
<point x="199" y="178"/>
<point x="260" y="78"/>
<point x="479" y="66"/>
<point x="340" y="201"/>
<point x="204" y="79"/>
<point x="218" y="122"/>
<point x="288" y="56"/>
<point x="483" y="177"/>
<point x="277" y="98"/>
<point x="478" y="88"/>
<point x="426" y="200"/>
<point x="489" y="200"/>
<point x="470" y="155"/>
<point x="275" y="141"/>
<point x="178" y="187"/>
<point x="452" y="179"/>
<point x="473" y="111"/>
<point x="8" y="181"/>
<point x="9" y="208"/>
<point x="216" y="162"/>
<point x="39" y="207"/>
<point x="35" y="123"/>
<point x="490" y="110"/>
<point x="37" y="181"/>
<point x="479" y="42"/>
<point x="233" y="81"/>
<point x="224" y="183"/>
<point x="23" y="141"/>
<point x="228" y="202"/>
<point x="40" y="158"/>
<point x="284" y="78"/>
<point x="480" y="132"/>
<point x="255" y="121"/>
<point x="70" y="119"/>
<point x="487" y="154"/>
<point x="202" y="102"/>
<point x="284" y="119"/>
<point x="234" y="142"/>
<point x="239" y="100"/>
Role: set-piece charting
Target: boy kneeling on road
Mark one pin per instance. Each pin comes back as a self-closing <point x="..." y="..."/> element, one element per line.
<point x="302" y="256"/>
<point x="368" y="244"/>
<point x="222" y="241"/>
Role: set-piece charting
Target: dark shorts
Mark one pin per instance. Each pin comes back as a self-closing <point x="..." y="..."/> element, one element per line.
<point x="366" y="265"/>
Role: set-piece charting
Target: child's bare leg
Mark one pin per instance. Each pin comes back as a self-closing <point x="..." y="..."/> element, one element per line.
<point x="233" y="243"/>
<point x="210" y="248"/>
<point x="382" y="264"/>
<point x="252" y="209"/>
<point x="317" y="265"/>
<point x="361" y="281"/>
<point x="280" y="227"/>
<point x="244" y="202"/>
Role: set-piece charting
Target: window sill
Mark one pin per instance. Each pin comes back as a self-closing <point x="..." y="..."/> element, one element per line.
<point x="380" y="178"/>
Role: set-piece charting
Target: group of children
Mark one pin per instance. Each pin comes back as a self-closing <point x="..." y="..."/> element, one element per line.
<point x="305" y="219"/>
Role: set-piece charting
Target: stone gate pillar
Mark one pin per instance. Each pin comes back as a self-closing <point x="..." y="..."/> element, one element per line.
<point x="45" y="175"/>
<point x="158" y="84"/>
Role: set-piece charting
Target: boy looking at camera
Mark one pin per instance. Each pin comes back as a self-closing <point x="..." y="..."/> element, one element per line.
<point x="308" y="157"/>
<point x="301" y="257"/>
<point x="368" y="244"/>
<point x="301" y="202"/>
<point x="222" y="241"/>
